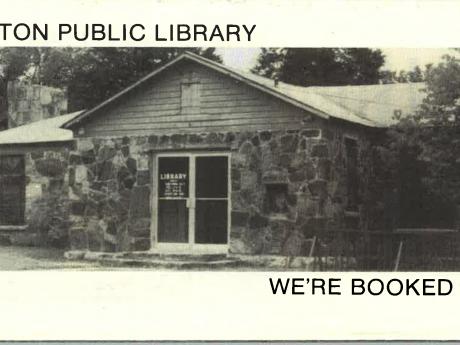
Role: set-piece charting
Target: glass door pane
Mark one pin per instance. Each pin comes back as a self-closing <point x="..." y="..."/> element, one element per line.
<point x="173" y="192"/>
<point x="211" y="192"/>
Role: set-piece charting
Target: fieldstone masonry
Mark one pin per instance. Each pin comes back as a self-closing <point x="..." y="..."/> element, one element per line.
<point x="46" y="199"/>
<point x="110" y="182"/>
<point x="29" y="103"/>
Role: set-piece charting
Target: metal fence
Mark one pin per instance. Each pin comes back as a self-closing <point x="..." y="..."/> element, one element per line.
<point x="400" y="250"/>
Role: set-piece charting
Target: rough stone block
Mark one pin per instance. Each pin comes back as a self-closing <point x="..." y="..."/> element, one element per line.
<point x="81" y="173"/>
<point x="129" y="181"/>
<point x="311" y="133"/>
<point x="88" y="156"/>
<point x="164" y="140"/>
<point x="143" y="177"/>
<point x="77" y="208"/>
<point x="285" y="160"/>
<point x="105" y="170"/>
<point x="248" y="180"/>
<point x="213" y="138"/>
<point x="288" y="143"/>
<point x="246" y="148"/>
<point x="143" y="162"/>
<point x="298" y="175"/>
<point x="320" y="150"/>
<point x="123" y="172"/>
<point x="265" y="135"/>
<point x="125" y="151"/>
<point x="257" y="221"/>
<point x="131" y="164"/>
<point x="95" y="235"/>
<point x="139" y="203"/>
<point x="306" y="207"/>
<point x="106" y="152"/>
<point x="141" y="244"/>
<point x="71" y="176"/>
<point x="50" y="167"/>
<point x="153" y="140"/>
<point x="236" y="179"/>
<point x="36" y="155"/>
<point x="141" y="140"/>
<point x="85" y="144"/>
<point x="78" y="239"/>
<point x="324" y="169"/>
<point x="239" y="219"/>
<point x="318" y="187"/>
<point x="178" y="139"/>
<point x="230" y="137"/>
<point x="56" y="185"/>
<point x="194" y="139"/>
<point x="139" y="227"/>
<point x="310" y="170"/>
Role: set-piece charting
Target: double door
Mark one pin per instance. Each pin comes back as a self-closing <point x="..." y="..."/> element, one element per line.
<point x="192" y="202"/>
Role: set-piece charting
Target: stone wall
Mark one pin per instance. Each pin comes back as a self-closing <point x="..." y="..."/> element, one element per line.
<point x="286" y="185"/>
<point x="28" y="103"/>
<point x="110" y="195"/>
<point x="47" y="205"/>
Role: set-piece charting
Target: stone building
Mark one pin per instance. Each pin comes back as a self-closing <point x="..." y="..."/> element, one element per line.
<point x="200" y="158"/>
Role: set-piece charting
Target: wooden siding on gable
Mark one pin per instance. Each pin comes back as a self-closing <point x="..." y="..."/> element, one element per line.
<point x="225" y="104"/>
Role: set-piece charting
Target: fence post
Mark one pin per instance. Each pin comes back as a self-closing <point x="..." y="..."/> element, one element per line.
<point x="398" y="256"/>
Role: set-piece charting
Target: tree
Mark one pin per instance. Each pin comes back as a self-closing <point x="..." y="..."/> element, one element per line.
<point x="426" y="148"/>
<point x="90" y="75"/>
<point x="413" y="76"/>
<point x="321" y="66"/>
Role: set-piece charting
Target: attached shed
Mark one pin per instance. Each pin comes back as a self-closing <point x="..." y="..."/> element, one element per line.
<point x="200" y="158"/>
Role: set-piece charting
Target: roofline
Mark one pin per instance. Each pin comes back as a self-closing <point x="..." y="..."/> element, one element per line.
<point x="206" y="62"/>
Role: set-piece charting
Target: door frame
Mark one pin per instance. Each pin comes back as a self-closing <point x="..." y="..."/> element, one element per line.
<point x="190" y="247"/>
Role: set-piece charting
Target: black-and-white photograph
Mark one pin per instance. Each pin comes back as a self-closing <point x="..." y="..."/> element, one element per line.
<point x="316" y="159"/>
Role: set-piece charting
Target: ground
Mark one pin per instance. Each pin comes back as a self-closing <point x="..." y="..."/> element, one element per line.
<point x="37" y="258"/>
<point x="32" y="258"/>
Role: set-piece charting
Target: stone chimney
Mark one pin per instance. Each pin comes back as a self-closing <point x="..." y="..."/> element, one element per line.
<point x="29" y="103"/>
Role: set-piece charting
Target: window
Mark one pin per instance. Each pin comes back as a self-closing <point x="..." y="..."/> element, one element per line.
<point x="277" y="199"/>
<point x="12" y="190"/>
<point x="351" y="151"/>
<point x="190" y="97"/>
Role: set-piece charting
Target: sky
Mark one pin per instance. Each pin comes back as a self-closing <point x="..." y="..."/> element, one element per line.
<point x="396" y="58"/>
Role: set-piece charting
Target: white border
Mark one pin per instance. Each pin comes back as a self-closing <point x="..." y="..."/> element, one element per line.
<point x="149" y="305"/>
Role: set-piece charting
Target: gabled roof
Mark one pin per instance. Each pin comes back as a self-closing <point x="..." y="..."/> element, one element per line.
<point x="368" y="105"/>
<point x="49" y="130"/>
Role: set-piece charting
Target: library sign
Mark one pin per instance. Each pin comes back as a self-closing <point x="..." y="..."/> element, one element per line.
<point x="173" y="185"/>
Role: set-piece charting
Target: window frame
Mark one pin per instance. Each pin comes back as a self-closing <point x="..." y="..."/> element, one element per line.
<point x="21" y="203"/>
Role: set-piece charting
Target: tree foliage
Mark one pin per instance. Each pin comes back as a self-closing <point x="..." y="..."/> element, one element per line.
<point x="90" y="75"/>
<point x="425" y="151"/>
<point x="321" y="66"/>
<point x="413" y="76"/>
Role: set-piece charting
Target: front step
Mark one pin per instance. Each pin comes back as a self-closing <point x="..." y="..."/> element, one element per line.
<point x="152" y="260"/>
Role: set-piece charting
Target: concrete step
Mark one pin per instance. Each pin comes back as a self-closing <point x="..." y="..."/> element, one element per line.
<point x="147" y="260"/>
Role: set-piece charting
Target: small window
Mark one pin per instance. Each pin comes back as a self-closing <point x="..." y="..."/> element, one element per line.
<point x="12" y="190"/>
<point x="190" y="97"/>
<point x="277" y="199"/>
<point x="351" y="150"/>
